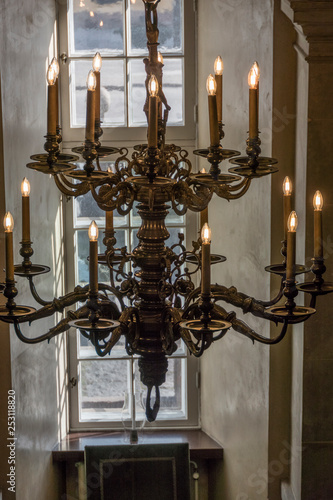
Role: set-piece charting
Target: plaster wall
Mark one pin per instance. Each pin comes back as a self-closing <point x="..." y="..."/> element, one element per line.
<point x="235" y="373"/>
<point x="28" y="42"/>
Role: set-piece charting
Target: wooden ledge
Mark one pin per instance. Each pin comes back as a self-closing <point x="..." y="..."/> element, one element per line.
<point x="71" y="449"/>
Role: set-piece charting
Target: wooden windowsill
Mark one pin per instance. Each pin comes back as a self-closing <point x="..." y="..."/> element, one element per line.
<point x="71" y="449"/>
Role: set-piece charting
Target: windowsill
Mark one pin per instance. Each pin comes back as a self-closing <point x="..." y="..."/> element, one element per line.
<point x="71" y="449"/>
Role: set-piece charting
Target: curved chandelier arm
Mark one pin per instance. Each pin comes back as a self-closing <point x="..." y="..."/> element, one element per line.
<point x="241" y="193"/>
<point x="276" y="299"/>
<point x="35" y="294"/>
<point x="69" y="188"/>
<point x="232" y="296"/>
<point x="183" y="198"/>
<point x="115" y="292"/>
<point x="57" y="305"/>
<point x="270" y="341"/>
<point x="103" y="350"/>
<point x="61" y="327"/>
<point x="119" y="196"/>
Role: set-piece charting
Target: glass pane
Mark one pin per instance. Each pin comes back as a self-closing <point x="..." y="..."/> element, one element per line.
<point x="172" y="87"/>
<point x="112" y="92"/>
<point x="170" y="25"/>
<point x="82" y="252"/>
<point x="103" y="385"/>
<point x="96" y="25"/>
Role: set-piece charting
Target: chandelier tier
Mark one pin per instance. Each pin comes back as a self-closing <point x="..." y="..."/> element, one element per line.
<point x="156" y="303"/>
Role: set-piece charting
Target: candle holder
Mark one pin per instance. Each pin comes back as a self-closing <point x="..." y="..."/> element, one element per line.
<point x="52" y="162"/>
<point x="89" y="154"/>
<point x="215" y="155"/>
<point x="290" y="310"/>
<point x="318" y="285"/>
<point x="253" y="165"/>
<point x="152" y="161"/>
<point x="11" y="312"/>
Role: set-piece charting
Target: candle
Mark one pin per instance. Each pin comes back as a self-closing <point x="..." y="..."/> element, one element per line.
<point x="97" y="65"/>
<point x="218" y="69"/>
<point x="253" y="80"/>
<point x="90" y="119"/>
<point x="25" y="190"/>
<point x="287" y="190"/>
<point x="291" y="245"/>
<point x="8" y="223"/>
<point x="212" y="108"/>
<point x="205" y="259"/>
<point x="51" y="101"/>
<point x="318" y="225"/>
<point x="109" y="220"/>
<point x="153" y="112"/>
<point x="93" y="258"/>
<point x="56" y="69"/>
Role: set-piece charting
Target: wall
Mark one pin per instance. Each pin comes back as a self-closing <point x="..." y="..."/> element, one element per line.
<point x="235" y="372"/>
<point x="27" y="43"/>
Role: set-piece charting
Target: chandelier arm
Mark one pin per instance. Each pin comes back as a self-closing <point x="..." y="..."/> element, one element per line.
<point x="241" y="193"/>
<point x="241" y="300"/>
<point x="35" y="295"/>
<point x="117" y="293"/>
<point x="276" y="299"/>
<point x="68" y="188"/>
<point x="57" y="305"/>
<point x="242" y="328"/>
<point x="102" y="352"/>
<point x="184" y="195"/>
<point x="61" y="327"/>
<point x="270" y="341"/>
<point x="124" y="193"/>
<point x="244" y="182"/>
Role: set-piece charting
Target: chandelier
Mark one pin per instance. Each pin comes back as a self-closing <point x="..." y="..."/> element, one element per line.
<point x="156" y="303"/>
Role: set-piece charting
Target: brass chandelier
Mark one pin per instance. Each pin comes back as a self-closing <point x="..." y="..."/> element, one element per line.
<point x="158" y="303"/>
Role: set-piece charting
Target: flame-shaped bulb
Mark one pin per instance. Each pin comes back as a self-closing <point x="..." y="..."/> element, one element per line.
<point x="287" y="186"/>
<point x="8" y="222"/>
<point x="292" y="222"/>
<point x="25" y="187"/>
<point x="93" y="231"/>
<point x="211" y="85"/>
<point x="206" y="234"/>
<point x="218" y="66"/>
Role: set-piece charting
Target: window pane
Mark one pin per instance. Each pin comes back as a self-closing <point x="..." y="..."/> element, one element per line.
<point x="170" y="25"/>
<point x="96" y="25"/>
<point x="137" y="93"/>
<point x="103" y="385"/>
<point x="112" y="92"/>
<point x="172" y="88"/>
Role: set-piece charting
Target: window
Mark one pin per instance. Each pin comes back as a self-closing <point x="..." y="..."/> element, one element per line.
<point x="102" y="396"/>
<point x="116" y="28"/>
